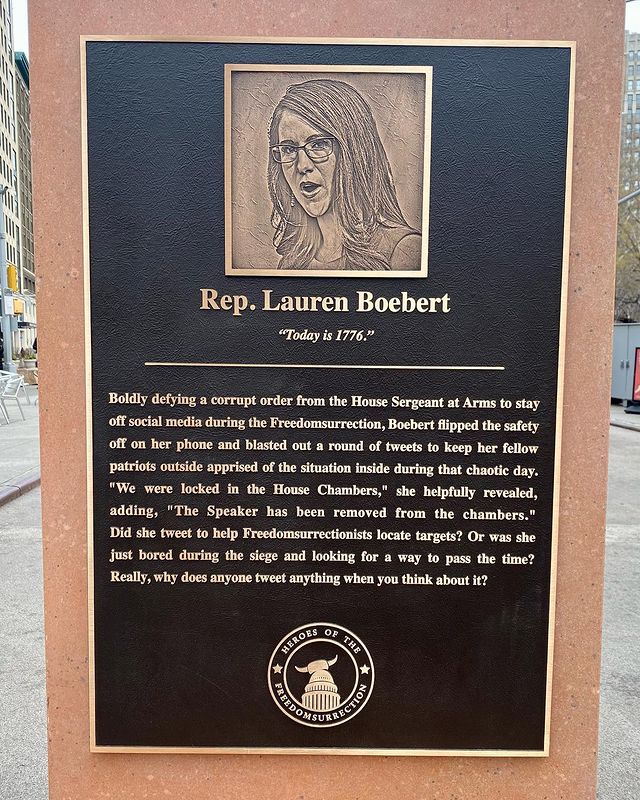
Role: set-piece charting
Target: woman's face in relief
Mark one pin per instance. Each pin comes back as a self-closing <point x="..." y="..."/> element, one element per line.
<point x="311" y="182"/>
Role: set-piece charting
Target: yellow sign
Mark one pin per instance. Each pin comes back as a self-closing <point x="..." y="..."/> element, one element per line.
<point x="12" y="277"/>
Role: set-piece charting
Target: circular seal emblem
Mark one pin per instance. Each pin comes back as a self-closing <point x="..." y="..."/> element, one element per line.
<point x="320" y="675"/>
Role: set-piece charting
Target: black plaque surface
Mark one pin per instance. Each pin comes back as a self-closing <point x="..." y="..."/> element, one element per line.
<point x="454" y="658"/>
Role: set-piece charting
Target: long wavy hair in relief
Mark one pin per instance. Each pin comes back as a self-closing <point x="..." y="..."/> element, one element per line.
<point x="364" y="194"/>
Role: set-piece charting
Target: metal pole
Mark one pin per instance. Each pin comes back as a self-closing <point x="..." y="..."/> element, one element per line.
<point x="628" y="197"/>
<point x="4" y="284"/>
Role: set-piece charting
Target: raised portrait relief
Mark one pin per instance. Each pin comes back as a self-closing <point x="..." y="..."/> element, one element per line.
<point x="345" y="160"/>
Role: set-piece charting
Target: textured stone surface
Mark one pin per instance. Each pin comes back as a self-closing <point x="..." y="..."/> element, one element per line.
<point x="569" y="773"/>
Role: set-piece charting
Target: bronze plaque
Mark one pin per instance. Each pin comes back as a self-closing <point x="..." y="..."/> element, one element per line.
<point x="323" y="506"/>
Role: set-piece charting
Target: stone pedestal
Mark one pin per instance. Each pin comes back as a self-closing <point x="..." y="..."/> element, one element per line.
<point x="570" y="770"/>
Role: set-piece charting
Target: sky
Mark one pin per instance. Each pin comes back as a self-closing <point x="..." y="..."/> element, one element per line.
<point x="632" y="21"/>
<point x="20" y="30"/>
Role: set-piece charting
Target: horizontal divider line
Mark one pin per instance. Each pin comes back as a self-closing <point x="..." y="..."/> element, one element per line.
<point x="315" y="366"/>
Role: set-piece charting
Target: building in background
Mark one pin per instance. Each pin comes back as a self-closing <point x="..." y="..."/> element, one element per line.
<point x="23" y="120"/>
<point x="630" y="132"/>
<point x="26" y="264"/>
<point x="627" y="302"/>
<point x="18" y="285"/>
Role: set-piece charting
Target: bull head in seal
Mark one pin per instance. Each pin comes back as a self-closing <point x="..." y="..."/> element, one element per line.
<point x="320" y="665"/>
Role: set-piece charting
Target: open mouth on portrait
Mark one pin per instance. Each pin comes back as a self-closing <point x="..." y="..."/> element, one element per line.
<point x="310" y="189"/>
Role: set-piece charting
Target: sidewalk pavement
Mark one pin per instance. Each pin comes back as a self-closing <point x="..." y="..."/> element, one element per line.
<point x="19" y="450"/>
<point x="621" y="419"/>
<point x="23" y="719"/>
<point x="619" y="751"/>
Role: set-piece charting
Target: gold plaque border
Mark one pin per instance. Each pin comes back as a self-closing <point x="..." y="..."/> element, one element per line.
<point x="521" y="43"/>
<point x="427" y="71"/>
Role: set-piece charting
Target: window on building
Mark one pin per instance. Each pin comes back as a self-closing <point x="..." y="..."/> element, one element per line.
<point x="629" y="102"/>
<point x="630" y="69"/>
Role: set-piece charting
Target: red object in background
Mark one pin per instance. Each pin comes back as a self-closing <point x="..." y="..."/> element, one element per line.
<point x="636" y="376"/>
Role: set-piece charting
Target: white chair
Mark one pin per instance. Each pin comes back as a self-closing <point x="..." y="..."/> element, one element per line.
<point x="4" y="378"/>
<point x="23" y="389"/>
<point x="12" y="387"/>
